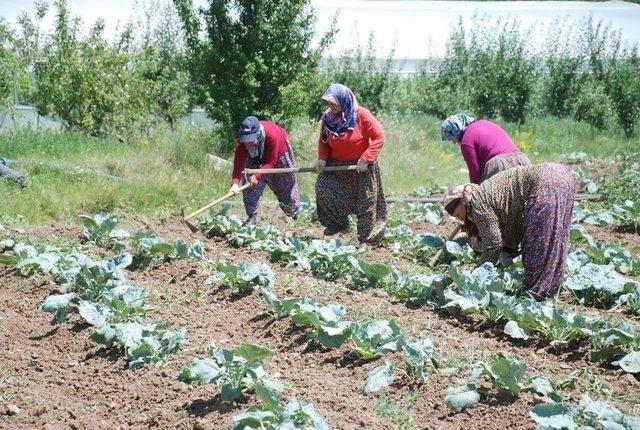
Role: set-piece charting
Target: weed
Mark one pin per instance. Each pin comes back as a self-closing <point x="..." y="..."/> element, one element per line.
<point x="400" y="413"/>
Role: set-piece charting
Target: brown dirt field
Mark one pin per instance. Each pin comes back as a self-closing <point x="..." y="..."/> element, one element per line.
<point x="60" y="379"/>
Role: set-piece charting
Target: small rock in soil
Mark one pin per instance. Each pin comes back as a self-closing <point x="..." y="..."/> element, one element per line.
<point x="198" y="425"/>
<point x="72" y="363"/>
<point x="13" y="410"/>
<point x="40" y="411"/>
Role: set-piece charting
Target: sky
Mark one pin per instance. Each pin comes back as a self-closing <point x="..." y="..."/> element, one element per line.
<point x="418" y="29"/>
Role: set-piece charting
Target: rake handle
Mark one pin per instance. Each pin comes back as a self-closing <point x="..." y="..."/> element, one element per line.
<point x="215" y="202"/>
<point x="435" y="258"/>
<point x="299" y="170"/>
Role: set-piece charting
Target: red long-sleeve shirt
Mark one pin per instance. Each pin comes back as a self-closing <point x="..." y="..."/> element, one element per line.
<point x="275" y="146"/>
<point x="364" y="141"/>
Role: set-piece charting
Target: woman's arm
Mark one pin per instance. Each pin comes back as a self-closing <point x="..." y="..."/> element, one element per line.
<point x="372" y="129"/>
<point x="239" y="159"/>
<point x="489" y="231"/>
<point x="471" y="158"/>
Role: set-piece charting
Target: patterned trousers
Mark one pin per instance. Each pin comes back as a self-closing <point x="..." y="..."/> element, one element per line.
<point x="339" y="194"/>
<point x="283" y="185"/>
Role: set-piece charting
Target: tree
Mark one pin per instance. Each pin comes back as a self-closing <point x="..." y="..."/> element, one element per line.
<point x="8" y="65"/>
<point x="249" y="52"/>
<point x="594" y="107"/>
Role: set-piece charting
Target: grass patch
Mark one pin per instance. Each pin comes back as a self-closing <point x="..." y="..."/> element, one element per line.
<point x="166" y="172"/>
<point x="8" y="382"/>
<point x="399" y="413"/>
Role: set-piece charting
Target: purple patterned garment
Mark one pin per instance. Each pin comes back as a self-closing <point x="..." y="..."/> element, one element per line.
<point x="547" y="220"/>
<point x="283" y="185"/>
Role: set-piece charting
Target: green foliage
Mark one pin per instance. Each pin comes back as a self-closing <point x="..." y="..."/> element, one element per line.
<point x="100" y="229"/>
<point x="98" y="292"/>
<point x="295" y="416"/>
<point x="150" y="250"/>
<point x="252" y="50"/>
<point x="563" y="79"/>
<point x="622" y="185"/>
<point x="99" y="88"/>
<point x="594" y="106"/>
<point x="243" y="277"/>
<point x="588" y="414"/>
<point x="238" y="372"/>
<point x="360" y="70"/>
<point x="502" y="373"/>
<point x="328" y="329"/>
<point x="623" y="88"/>
<point x="8" y="65"/>
<point x="629" y="214"/>
<point x="489" y="70"/>
<point x="378" y="378"/>
<point x="372" y="338"/>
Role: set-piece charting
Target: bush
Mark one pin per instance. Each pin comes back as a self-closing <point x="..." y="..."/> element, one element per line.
<point x="623" y="87"/>
<point x="359" y="69"/>
<point x="563" y="67"/>
<point x="594" y="106"/>
<point x="489" y="70"/>
<point x="104" y="89"/>
<point x="7" y="65"/>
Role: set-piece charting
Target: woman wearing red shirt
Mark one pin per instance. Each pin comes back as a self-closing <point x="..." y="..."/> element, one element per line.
<point x="266" y="145"/>
<point x="349" y="135"/>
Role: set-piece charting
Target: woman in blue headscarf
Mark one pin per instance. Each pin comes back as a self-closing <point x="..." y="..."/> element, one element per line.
<point x="486" y="147"/>
<point x="350" y="135"/>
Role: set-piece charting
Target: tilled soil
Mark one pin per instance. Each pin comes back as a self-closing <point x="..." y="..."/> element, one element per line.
<point x="60" y="379"/>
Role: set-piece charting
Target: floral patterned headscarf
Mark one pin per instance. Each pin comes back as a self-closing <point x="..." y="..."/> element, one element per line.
<point x="343" y="121"/>
<point x="453" y="128"/>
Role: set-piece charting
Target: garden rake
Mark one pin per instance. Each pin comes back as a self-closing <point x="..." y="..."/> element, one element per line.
<point x="269" y="171"/>
<point x="186" y="219"/>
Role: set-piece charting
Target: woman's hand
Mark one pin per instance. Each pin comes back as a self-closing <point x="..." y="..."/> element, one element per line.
<point x="320" y="165"/>
<point x="362" y="166"/>
<point x="253" y="181"/>
<point x="505" y="259"/>
<point x="476" y="243"/>
<point x="234" y="189"/>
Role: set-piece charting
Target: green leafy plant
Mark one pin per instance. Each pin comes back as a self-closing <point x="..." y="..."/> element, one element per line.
<point x="295" y="416"/>
<point x="328" y="328"/>
<point x="150" y="249"/>
<point x="242" y="278"/>
<point x="502" y="373"/>
<point x="372" y="338"/>
<point x="587" y="414"/>
<point x="143" y="342"/>
<point x="238" y="372"/>
<point x="629" y="214"/>
<point x="100" y="229"/>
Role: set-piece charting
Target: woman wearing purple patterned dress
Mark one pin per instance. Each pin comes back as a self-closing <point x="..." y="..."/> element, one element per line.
<point x="530" y="205"/>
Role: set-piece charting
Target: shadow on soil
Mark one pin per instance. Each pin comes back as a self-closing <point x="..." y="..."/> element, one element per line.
<point x="202" y="408"/>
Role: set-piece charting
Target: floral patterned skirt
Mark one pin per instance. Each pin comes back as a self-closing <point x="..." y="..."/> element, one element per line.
<point x="503" y="162"/>
<point x="547" y="220"/>
<point x="339" y="194"/>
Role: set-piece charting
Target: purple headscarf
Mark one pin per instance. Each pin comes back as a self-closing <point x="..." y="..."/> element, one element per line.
<point x="343" y="121"/>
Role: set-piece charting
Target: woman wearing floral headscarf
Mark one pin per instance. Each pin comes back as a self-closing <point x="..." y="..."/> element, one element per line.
<point x="486" y="147"/>
<point x="350" y="135"/>
<point x="530" y="205"/>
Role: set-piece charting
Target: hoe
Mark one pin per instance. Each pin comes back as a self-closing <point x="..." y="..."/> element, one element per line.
<point x="248" y="172"/>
